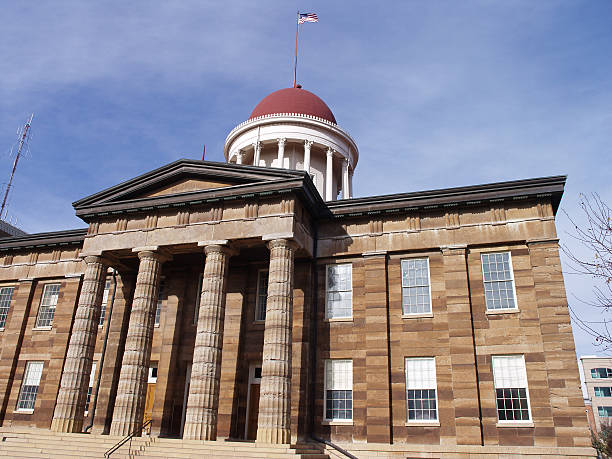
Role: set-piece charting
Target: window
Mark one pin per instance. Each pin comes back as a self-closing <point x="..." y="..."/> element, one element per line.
<point x="421" y="398"/>
<point x="262" y="295"/>
<point x="196" y="312"/>
<point x="29" y="386"/>
<point x="498" y="281"/>
<point x="6" y="295"/>
<point x="104" y="301"/>
<point x="339" y="291"/>
<point x="160" y="296"/>
<point x="604" y="411"/>
<point x="152" y="379"/>
<point x="603" y="391"/>
<point x="339" y="390"/>
<point x="601" y="373"/>
<point x="48" y="302"/>
<point x="416" y="298"/>
<point x="92" y="375"/>
<point x="511" y="393"/>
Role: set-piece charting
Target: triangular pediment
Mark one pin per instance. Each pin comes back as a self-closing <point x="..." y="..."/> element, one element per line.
<point x="186" y="177"/>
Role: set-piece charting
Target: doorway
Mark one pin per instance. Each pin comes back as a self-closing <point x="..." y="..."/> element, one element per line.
<point x="150" y="397"/>
<point x="250" y="426"/>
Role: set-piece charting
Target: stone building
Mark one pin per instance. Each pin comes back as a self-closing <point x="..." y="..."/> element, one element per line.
<point x="246" y="301"/>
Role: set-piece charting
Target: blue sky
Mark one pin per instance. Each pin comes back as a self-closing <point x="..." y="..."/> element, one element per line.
<point x="436" y="94"/>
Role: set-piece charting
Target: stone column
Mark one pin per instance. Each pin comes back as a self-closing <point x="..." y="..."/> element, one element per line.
<point x="203" y="401"/>
<point x="70" y="406"/>
<point x="239" y="156"/>
<point x="329" y="175"/>
<point x="346" y="192"/>
<point x="273" y="425"/>
<point x="351" y="182"/>
<point x="281" y="152"/>
<point x="256" y="153"/>
<point x="131" y="391"/>
<point x="307" y="145"/>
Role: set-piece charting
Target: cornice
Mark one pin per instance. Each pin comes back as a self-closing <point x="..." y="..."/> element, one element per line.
<point x="50" y="239"/>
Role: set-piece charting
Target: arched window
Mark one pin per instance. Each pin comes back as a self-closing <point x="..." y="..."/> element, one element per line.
<point x="601" y="373"/>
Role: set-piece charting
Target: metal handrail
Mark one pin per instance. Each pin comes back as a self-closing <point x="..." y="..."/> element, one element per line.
<point x="118" y="445"/>
<point x="336" y="447"/>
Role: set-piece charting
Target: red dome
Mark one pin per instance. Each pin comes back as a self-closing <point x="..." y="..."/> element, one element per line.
<point x="293" y="100"/>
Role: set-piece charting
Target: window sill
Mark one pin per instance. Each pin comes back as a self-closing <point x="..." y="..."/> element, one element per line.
<point x="1" y="329"/>
<point x="23" y="411"/>
<point x="43" y="328"/>
<point x="259" y="322"/>
<point x="348" y="422"/>
<point x="339" y="319"/>
<point x="501" y="311"/>
<point x="422" y="424"/>
<point x="156" y="325"/>
<point x="418" y="316"/>
<point x="515" y="424"/>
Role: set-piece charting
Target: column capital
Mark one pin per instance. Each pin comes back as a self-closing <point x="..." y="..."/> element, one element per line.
<point x="94" y="259"/>
<point x="330" y="152"/>
<point x="282" y="242"/>
<point x="256" y="145"/>
<point x="152" y="251"/>
<point x="218" y="246"/>
<point x="308" y="143"/>
<point x="281" y="141"/>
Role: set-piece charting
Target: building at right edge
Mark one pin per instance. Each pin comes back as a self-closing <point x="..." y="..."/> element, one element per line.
<point x="598" y="381"/>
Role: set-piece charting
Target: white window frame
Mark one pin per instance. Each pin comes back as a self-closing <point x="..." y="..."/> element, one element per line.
<point x="416" y="314"/>
<point x="258" y="305"/>
<point x="435" y="374"/>
<point x="47" y="306"/>
<point x="92" y="376"/>
<point x="510" y="265"/>
<point x="26" y="376"/>
<point x="527" y="422"/>
<point x="8" y="306"/>
<point x="326" y="420"/>
<point x="152" y="379"/>
<point x="107" y="286"/>
<point x="327" y="315"/>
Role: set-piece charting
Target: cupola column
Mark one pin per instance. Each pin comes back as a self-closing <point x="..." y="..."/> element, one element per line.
<point x="281" y="152"/>
<point x="351" y="182"/>
<point x="256" y="153"/>
<point x="274" y="420"/>
<point x="70" y="406"/>
<point x="346" y="191"/>
<point x="307" y="145"/>
<point x="203" y="402"/>
<point x="239" y="156"/>
<point x="329" y="175"/>
<point x="132" y="387"/>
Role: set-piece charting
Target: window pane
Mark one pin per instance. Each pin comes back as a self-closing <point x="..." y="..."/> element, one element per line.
<point x="29" y="386"/>
<point x="498" y="281"/>
<point x="160" y="297"/>
<point x="339" y="389"/>
<point x="415" y="286"/>
<point x="421" y="389"/>
<point x="104" y="301"/>
<point x="6" y="295"/>
<point x="262" y="295"/>
<point x="90" y="387"/>
<point x="48" y="303"/>
<point x="510" y="379"/>
<point x="339" y="294"/>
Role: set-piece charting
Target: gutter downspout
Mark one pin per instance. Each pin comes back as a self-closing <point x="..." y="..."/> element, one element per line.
<point x="109" y="315"/>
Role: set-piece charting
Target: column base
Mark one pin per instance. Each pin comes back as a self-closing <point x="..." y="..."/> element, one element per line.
<point x="272" y="435"/>
<point x="122" y="429"/>
<point x="199" y="432"/>
<point x="66" y="425"/>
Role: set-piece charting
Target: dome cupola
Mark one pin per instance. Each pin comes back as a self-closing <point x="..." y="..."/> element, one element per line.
<point x="293" y="128"/>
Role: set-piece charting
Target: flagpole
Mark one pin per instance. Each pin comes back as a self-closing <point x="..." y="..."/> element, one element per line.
<point x="296" y="47"/>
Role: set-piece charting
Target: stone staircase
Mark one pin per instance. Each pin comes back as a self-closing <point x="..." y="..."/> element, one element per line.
<point x="41" y="443"/>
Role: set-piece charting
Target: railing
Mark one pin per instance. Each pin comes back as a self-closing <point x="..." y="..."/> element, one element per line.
<point x="336" y="447"/>
<point x="129" y="437"/>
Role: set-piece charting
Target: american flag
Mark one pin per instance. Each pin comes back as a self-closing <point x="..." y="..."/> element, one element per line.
<point x="308" y="17"/>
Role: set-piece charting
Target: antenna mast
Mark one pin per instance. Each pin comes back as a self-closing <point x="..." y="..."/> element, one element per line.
<point x="23" y="137"/>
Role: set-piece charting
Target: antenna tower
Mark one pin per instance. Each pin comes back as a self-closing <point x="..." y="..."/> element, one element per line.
<point x="23" y="139"/>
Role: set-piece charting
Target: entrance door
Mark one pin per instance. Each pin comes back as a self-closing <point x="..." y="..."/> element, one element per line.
<point x="185" y="397"/>
<point x="148" y="411"/>
<point x="253" y="402"/>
